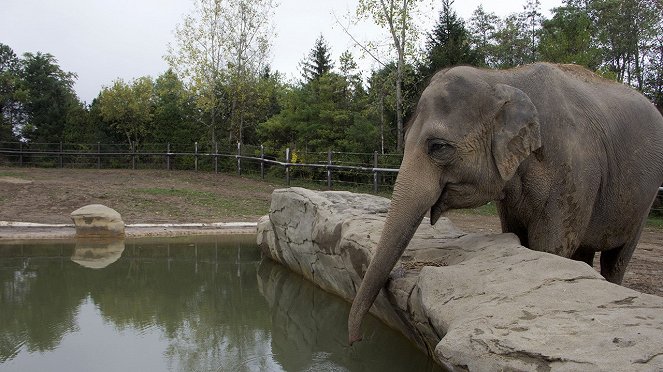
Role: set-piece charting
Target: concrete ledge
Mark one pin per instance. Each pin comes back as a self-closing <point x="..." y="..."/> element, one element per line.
<point x="479" y="302"/>
<point x="10" y="230"/>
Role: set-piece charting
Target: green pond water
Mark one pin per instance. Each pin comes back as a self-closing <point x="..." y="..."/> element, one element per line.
<point x="178" y="304"/>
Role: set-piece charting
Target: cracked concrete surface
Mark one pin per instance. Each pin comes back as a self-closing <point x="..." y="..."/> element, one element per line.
<point x="486" y="304"/>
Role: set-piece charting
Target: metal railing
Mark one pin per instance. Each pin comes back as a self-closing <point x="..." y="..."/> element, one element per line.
<point x="366" y="171"/>
<point x="373" y="170"/>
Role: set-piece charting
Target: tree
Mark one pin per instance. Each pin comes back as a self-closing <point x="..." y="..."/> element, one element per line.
<point x="449" y="42"/>
<point x="626" y="30"/>
<point x="531" y="19"/>
<point x="220" y="50"/>
<point x="318" y="62"/>
<point x="248" y="29"/>
<point x="351" y="74"/>
<point x="567" y="38"/>
<point x="48" y="97"/>
<point x="397" y="18"/>
<point x="173" y="111"/>
<point x="128" y="109"/>
<point x="482" y="30"/>
<point x="511" y="46"/>
<point x="12" y="113"/>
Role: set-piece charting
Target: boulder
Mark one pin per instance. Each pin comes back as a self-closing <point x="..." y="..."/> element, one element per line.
<point x="478" y="302"/>
<point x="97" y="221"/>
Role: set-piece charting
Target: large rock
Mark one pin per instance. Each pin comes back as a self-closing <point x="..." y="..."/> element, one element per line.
<point x="97" y="221"/>
<point x="480" y="302"/>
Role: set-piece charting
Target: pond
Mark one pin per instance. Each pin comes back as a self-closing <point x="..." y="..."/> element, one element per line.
<point x="177" y="304"/>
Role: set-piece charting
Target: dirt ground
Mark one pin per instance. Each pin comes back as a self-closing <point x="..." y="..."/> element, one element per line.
<point x="155" y="196"/>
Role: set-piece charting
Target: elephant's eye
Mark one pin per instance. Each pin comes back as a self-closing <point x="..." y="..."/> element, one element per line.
<point x="440" y="149"/>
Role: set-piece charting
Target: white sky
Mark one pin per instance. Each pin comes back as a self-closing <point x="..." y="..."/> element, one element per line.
<point x="101" y="41"/>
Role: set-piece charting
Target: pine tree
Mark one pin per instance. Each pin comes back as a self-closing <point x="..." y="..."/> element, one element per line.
<point x="449" y="42"/>
<point x="318" y="62"/>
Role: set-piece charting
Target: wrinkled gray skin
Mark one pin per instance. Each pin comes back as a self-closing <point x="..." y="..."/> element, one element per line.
<point x="573" y="162"/>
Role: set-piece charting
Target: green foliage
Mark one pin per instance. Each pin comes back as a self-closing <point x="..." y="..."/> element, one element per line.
<point x="449" y="43"/>
<point x="129" y="108"/>
<point x="11" y="108"/>
<point x="174" y="110"/>
<point x="482" y="33"/>
<point x="220" y="91"/>
<point x="47" y="97"/>
<point x="567" y="38"/>
<point x="327" y="112"/>
<point x="220" y="51"/>
<point x="318" y="62"/>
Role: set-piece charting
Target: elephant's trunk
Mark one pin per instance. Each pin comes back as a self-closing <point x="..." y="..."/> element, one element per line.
<point x="415" y="191"/>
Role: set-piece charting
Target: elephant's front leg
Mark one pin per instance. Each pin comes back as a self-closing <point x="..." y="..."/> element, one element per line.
<point x="556" y="229"/>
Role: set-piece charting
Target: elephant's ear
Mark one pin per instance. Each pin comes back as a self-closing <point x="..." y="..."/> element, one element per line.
<point x="516" y="134"/>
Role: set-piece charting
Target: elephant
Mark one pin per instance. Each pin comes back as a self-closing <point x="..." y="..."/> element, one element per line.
<point x="572" y="161"/>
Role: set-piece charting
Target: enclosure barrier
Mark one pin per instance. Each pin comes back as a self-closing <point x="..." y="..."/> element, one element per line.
<point x="364" y="171"/>
<point x="330" y="167"/>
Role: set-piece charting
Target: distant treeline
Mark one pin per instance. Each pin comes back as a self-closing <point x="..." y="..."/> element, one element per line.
<point x="237" y="98"/>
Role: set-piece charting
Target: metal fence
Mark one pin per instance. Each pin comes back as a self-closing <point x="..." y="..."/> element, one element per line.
<point x="354" y="171"/>
<point x="364" y="171"/>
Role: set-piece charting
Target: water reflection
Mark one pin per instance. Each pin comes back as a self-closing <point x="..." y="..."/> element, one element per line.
<point x="309" y="330"/>
<point x="206" y="304"/>
<point x="97" y="253"/>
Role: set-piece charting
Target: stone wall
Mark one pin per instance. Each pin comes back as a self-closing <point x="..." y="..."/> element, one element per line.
<point x="479" y="302"/>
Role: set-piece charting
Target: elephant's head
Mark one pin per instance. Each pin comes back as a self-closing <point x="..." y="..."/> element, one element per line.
<point x="466" y="140"/>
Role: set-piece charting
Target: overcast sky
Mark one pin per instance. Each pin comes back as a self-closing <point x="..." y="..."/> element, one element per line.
<point x="101" y="41"/>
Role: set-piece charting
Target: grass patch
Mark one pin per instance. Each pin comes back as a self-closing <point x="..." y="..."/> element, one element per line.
<point x="223" y="205"/>
<point x="655" y="222"/>
<point x="11" y="174"/>
<point x="489" y="209"/>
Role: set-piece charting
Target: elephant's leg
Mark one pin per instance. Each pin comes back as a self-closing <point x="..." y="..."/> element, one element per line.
<point x="585" y="255"/>
<point x="511" y="224"/>
<point x="614" y="262"/>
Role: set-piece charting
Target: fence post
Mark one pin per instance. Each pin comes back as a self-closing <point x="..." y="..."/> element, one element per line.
<point x="168" y="156"/>
<point x="287" y="166"/>
<point x="375" y="172"/>
<point x="20" y="154"/>
<point x="216" y="157"/>
<point x="262" y="162"/>
<point x="239" y="160"/>
<point x="60" y="154"/>
<point x="98" y="155"/>
<point x="329" y="173"/>
<point x="195" y="156"/>
<point x="133" y="155"/>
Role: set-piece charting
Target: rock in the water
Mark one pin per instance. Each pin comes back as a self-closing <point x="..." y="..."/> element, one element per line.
<point x="97" y="221"/>
<point x="480" y="302"/>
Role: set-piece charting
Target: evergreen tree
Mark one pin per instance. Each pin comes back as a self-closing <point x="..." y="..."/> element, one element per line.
<point x="12" y="113"/>
<point x="318" y="62"/>
<point x="49" y="97"/>
<point x="449" y="42"/>
<point x="173" y="111"/>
